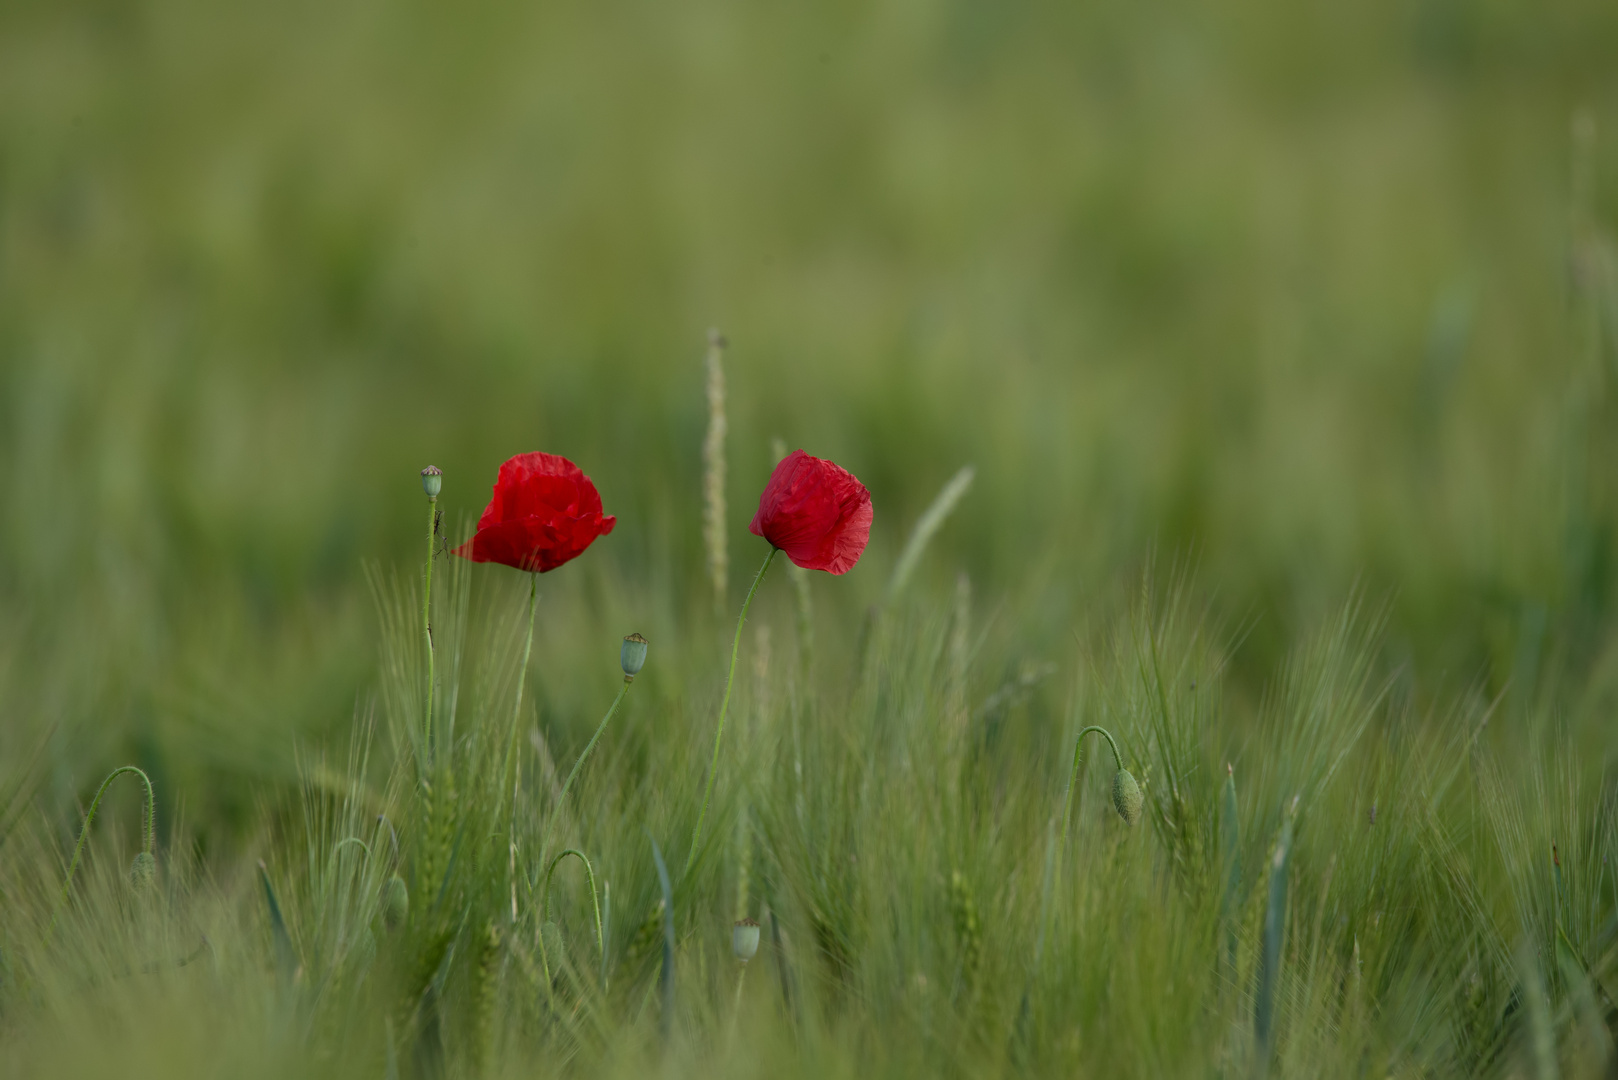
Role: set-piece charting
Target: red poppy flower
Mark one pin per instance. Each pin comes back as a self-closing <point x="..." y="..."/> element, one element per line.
<point x="816" y="512"/>
<point x="545" y="511"/>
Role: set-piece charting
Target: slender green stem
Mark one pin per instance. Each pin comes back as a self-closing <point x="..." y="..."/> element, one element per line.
<point x="510" y="785"/>
<point x="1073" y="781"/>
<point x="736" y="1007"/>
<point x="522" y="680"/>
<point x="713" y="766"/>
<point x="589" y="871"/>
<point x="427" y="626"/>
<point x="561" y="799"/>
<point x="149" y="833"/>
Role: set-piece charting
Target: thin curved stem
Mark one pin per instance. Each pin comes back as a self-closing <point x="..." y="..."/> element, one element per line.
<point x="713" y="766"/>
<point x="589" y="872"/>
<point x="337" y="847"/>
<point x="561" y="800"/>
<point x="1073" y="780"/>
<point x="149" y="830"/>
<point x="427" y="627"/>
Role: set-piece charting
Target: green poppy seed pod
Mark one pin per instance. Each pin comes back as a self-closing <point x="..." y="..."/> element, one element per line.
<point x="1126" y="796"/>
<point x="395" y="903"/>
<point x="432" y="481"/>
<point x="744" y="939"/>
<point x="632" y="656"/>
<point x="143" y="871"/>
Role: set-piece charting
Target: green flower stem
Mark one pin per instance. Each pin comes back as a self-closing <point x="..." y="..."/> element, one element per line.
<point x="589" y="871"/>
<point x="510" y="786"/>
<point x="1073" y="781"/>
<point x="427" y="626"/>
<point x="561" y="799"/>
<point x="713" y="766"/>
<point x="149" y="833"/>
<point x="522" y="680"/>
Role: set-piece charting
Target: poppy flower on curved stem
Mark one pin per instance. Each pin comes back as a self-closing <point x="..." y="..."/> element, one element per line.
<point x="820" y="515"/>
<point x="816" y="512"/>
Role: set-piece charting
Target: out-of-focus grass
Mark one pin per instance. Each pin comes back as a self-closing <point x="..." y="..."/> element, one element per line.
<point x="1314" y="298"/>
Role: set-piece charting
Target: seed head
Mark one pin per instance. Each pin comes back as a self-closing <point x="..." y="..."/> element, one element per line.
<point x="395" y="903"/>
<point x="1126" y="796"/>
<point x="432" y="481"/>
<point x="143" y="871"/>
<point x="744" y="939"/>
<point x="632" y="656"/>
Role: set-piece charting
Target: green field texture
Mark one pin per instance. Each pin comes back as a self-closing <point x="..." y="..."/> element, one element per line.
<point x="1282" y="339"/>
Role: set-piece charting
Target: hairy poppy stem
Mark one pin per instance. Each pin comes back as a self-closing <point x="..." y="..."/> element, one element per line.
<point x="426" y="623"/>
<point x="561" y="799"/>
<point x="1073" y="780"/>
<point x="148" y="838"/>
<point x="511" y="743"/>
<point x="713" y="766"/>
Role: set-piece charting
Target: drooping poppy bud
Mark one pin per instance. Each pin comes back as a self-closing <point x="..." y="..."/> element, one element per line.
<point x="544" y="512"/>
<point x="632" y="656"/>
<point x="1126" y="796"/>
<point x="816" y="512"/>
<point x="395" y="903"/>
<point x="744" y="939"/>
<point x="432" y="481"/>
<point x="143" y="870"/>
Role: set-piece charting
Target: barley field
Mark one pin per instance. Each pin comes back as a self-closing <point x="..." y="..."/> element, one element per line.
<point x="1239" y="379"/>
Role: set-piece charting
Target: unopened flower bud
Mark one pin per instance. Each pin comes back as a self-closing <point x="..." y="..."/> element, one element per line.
<point x="432" y="481"/>
<point x="143" y="871"/>
<point x="1126" y="796"/>
<point x="744" y="939"/>
<point x="395" y="903"/>
<point x="632" y="656"/>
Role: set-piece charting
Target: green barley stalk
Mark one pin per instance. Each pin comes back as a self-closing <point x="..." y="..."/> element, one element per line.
<point x="968" y="929"/>
<point x="927" y="526"/>
<point x="713" y="471"/>
<point x="666" y="981"/>
<point x="484" y="995"/>
<point x="1269" y="972"/>
<point x="432" y="482"/>
<point x="959" y="655"/>
<point x="1230" y="834"/>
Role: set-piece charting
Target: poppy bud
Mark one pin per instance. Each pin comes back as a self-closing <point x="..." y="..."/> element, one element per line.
<point x="1126" y="796"/>
<point x="432" y="481"/>
<point x="143" y="870"/>
<point x="744" y="939"/>
<point x="632" y="656"/>
<point x="395" y="903"/>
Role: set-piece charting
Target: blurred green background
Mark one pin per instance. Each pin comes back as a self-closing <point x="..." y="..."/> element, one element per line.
<point x="1306" y="296"/>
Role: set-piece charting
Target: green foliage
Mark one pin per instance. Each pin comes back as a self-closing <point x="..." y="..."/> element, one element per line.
<point x="1323" y="298"/>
